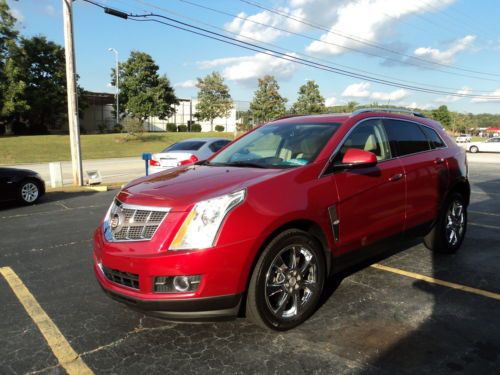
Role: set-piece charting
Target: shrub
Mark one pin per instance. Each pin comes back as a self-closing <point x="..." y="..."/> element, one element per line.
<point x="244" y="127"/>
<point x="118" y="128"/>
<point x="102" y="128"/>
<point x="196" y="128"/>
<point x="182" y="128"/>
<point x="171" y="127"/>
<point x="133" y="127"/>
<point x="219" y="128"/>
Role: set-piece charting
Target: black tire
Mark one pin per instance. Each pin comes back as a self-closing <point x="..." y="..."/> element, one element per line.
<point x="303" y="290"/>
<point x="440" y="239"/>
<point x="474" y="149"/>
<point x="29" y="191"/>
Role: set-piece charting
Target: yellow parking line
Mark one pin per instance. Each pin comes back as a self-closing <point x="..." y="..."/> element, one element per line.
<point x="432" y="280"/>
<point x="483" y="225"/>
<point x="61" y="348"/>
<point x="483" y="192"/>
<point x="483" y="213"/>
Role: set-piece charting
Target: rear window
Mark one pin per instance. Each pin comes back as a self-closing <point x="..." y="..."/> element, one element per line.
<point x="406" y="137"/>
<point x="434" y="138"/>
<point x="216" y="146"/>
<point x="185" y="146"/>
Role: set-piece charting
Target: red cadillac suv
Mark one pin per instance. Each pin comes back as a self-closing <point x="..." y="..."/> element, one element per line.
<point x="263" y="223"/>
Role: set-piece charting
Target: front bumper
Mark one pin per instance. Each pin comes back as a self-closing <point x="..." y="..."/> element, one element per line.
<point x="224" y="271"/>
<point x="183" y="309"/>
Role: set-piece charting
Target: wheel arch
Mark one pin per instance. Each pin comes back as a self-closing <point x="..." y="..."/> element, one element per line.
<point x="463" y="187"/>
<point x="308" y="226"/>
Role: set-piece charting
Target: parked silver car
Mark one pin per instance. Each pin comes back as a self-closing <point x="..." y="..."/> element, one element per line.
<point x="185" y="152"/>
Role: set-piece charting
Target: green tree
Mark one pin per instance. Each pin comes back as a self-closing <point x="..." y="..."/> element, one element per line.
<point x="351" y="106"/>
<point x="143" y="92"/>
<point x="8" y="38"/>
<point x="267" y="102"/>
<point x="310" y="100"/>
<point x="442" y="115"/>
<point x="13" y="92"/>
<point x="214" y="99"/>
<point x="41" y="65"/>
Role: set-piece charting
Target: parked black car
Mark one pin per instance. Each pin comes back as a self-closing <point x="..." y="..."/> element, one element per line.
<point x="22" y="185"/>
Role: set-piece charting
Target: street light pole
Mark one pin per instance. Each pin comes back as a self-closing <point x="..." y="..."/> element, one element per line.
<point x="73" y="119"/>
<point x="117" y="78"/>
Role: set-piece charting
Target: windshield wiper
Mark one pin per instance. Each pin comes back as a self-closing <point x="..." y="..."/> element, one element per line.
<point x="241" y="164"/>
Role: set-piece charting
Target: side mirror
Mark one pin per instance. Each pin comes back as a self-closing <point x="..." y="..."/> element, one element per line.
<point x="355" y="158"/>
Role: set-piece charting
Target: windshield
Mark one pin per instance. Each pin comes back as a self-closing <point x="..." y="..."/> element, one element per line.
<point x="278" y="146"/>
<point x="185" y="146"/>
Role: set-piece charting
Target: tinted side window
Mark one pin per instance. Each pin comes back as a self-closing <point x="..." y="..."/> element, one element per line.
<point x="407" y="137"/>
<point x="369" y="136"/>
<point x="185" y="146"/>
<point x="433" y="137"/>
<point x="216" y="146"/>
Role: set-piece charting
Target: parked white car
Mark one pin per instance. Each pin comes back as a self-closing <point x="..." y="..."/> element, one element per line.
<point x="490" y="145"/>
<point x="463" y="138"/>
<point x="188" y="151"/>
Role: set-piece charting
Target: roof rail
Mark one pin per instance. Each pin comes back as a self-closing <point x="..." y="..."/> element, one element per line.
<point x="391" y="110"/>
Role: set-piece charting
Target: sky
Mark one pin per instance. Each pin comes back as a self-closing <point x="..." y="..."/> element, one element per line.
<point x="452" y="46"/>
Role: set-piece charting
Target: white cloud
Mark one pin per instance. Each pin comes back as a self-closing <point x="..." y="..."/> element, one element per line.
<point x="392" y="96"/>
<point x="329" y="102"/>
<point x="357" y="90"/>
<point x="17" y="14"/>
<point x="452" y="98"/>
<point x="248" y="68"/>
<point x="446" y="56"/>
<point x="49" y="10"/>
<point x="189" y="84"/>
<point x="492" y="97"/>
<point x="254" y="29"/>
<point x="368" y="20"/>
<point x="362" y="90"/>
<point x="255" y="26"/>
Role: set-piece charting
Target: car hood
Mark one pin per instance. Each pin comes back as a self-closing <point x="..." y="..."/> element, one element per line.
<point x="179" y="188"/>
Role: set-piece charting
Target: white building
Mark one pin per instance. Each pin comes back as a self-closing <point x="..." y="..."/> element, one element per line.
<point x="185" y="111"/>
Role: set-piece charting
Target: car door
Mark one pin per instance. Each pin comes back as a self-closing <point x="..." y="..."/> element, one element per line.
<point x="7" y="185"/>
<point x="371" y="200"/>
<point x="491" y="145"/>
<point x="425" y="170"/>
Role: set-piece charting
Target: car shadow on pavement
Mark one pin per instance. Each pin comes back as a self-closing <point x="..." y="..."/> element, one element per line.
<point x="47" y="200"/>
<point x="460" y="333"/>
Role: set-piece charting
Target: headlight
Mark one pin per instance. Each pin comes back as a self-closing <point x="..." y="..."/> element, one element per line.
<point x="199" y="229"/>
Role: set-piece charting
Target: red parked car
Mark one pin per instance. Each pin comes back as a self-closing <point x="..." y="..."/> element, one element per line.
<point x="264" y="222"/>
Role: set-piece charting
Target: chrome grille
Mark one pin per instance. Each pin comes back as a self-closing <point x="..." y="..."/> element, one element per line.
<point x="126" y="222"/>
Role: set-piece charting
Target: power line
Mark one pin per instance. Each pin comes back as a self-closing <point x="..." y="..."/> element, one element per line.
<point x="404" y="62"/>
<point x="360" y="40"/>
<point x="299" y="53"/>
<point x="228" y="40"/>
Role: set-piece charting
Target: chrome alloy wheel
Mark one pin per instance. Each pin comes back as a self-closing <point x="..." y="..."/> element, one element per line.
<point x="29" y="192"/>
<point x="291" y="281"/>
<point x="455" y="223"/>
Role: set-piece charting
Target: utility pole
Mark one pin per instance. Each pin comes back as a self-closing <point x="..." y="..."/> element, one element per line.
<point x="73" y="119"/>
<point x="117" y="86"/>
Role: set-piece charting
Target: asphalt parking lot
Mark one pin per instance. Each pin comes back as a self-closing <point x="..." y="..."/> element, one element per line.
<point x="397" y="319"/>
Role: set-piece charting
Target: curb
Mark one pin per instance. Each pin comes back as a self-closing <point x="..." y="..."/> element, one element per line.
<point x="84" y="189"/>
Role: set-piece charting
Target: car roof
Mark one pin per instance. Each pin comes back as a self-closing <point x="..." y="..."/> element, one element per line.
<point x="342" y="117"/>
<point x="207" y="139"/>
<point x="304" y="119"/>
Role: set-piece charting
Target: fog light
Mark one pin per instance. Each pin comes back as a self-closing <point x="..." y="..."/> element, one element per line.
<point x="177" y="284"/>
<point x="181" y="283"/>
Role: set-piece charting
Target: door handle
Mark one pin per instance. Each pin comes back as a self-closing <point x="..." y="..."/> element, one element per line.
<point x="396" y="177"/>
<point x="439" y="161"/>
